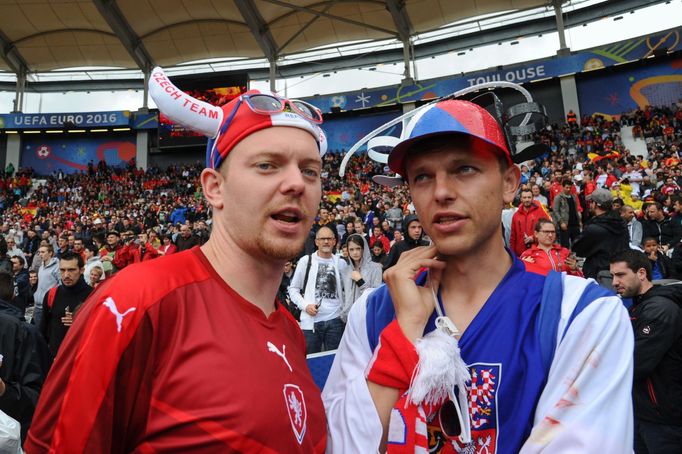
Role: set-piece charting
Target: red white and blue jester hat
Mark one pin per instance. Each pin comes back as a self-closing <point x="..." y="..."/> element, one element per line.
<point x="509" y="132"/>
<point x="225" y="126"/>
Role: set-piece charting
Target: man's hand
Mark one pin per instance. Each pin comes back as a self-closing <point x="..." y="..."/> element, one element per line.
<point x="414" y="304"/>
<point x="67" y="319"/>
<point x="311" y="309"/>
<point x="564" y="226"/>
<point x="3" y="388"/>
<point x="571" y="262"/>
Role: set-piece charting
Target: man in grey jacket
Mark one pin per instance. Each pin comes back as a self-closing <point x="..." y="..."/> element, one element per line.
<point x="48" y="277"/>
<point x="565" y="214"/>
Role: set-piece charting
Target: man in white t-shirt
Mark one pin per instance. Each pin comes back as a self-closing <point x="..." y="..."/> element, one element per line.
<point x="634" y="176"/>
<point x="317" y="290"/>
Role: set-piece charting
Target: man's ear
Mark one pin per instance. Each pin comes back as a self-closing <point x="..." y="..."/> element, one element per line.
<point x="212" y="186"/>
<point x="511" y="178"/>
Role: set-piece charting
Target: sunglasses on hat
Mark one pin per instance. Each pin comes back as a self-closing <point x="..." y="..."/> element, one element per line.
<point x="266" y="104"/>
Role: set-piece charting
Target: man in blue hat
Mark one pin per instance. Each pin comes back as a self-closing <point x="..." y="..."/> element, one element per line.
<point x="542" y="358"/>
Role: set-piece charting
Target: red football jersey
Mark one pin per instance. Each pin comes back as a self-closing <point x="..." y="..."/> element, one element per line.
<point x="166" y="357"/>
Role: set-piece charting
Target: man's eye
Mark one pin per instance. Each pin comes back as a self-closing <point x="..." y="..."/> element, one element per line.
<point x="264" y="166"/>
<point x="466" y="169"/>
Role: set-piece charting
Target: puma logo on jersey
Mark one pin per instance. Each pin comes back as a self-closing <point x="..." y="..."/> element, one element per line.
<point x="111" y="305"/>
<point x="282" y="354"/>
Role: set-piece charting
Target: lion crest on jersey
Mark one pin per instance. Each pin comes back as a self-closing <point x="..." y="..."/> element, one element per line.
<point x="295" y="404"/>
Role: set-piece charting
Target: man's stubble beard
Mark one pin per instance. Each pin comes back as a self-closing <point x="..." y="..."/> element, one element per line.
<point x="280" y="249"/>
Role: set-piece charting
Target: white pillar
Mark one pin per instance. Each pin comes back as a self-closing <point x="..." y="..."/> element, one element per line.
<point x="569" y="94"/>
<point x="142" y="151"/>
<point x="13" y="150"/>
<point x="409" y="106"/>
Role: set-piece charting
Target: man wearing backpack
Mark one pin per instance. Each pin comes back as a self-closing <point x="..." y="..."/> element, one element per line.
<point x="657" y="322"/>
<point x="61" y="302"/>
<point x="317" y="290"/>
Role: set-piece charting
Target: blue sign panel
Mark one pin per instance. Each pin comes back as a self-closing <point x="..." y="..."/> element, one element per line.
<point x="601" y="57"/>
<point x="343" y="133"/>
<point x="658" y="84"/>
<point x="149" y="120"/>
<point x="57" y="120"/>
<point x="70" y="155"/>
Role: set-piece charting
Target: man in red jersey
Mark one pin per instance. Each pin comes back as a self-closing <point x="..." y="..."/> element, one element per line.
<point x="523" y="223"/>
<point x="203" y="360"/>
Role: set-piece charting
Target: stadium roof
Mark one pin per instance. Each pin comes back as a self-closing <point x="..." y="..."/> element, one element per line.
<point x="58" y="45"/>
<point x="43" y="35"/>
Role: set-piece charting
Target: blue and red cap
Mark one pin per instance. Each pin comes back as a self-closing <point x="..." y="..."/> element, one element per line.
<point x="449" y="117"/>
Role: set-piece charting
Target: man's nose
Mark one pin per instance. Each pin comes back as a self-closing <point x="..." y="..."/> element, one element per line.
<point x="445" y="189"/>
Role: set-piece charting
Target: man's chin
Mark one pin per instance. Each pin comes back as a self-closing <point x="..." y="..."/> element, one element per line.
<point x="281" y="249"/>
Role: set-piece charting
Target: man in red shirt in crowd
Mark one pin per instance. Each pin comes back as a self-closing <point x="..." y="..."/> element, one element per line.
<point x="588" y="184"/>
<point x="555" y="188"/>
<point x="137" y="250"/>
<point x="378" y="236"/>
<point x="523" y="222"/>
<point x="547" y="255"/>
<point x="204" y="360"/>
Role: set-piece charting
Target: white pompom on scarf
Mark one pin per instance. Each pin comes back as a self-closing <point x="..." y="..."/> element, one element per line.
<point x="439" y="370"/>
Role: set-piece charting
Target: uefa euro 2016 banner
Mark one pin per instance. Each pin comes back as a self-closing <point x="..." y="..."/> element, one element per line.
<point x="60" y="120"/>
<point x="86" y="120"/>
<point x="587" y="60"/>
<point x="70" y="155"/>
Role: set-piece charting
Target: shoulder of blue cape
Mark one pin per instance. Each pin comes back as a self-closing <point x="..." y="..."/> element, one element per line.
<point x="380" y="310"/>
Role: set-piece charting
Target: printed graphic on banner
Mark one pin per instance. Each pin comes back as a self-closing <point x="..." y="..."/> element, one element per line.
<point x="343" y="133"/>
<point x="47" y="155"/>
<point x="655" y="84"/>
<point x="146" y="120"/>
